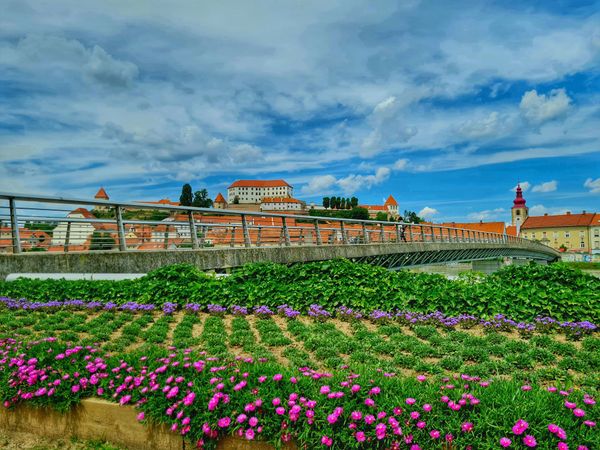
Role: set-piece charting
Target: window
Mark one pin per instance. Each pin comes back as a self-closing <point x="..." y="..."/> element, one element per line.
<point x="596" y="232"/>
<point x="596" y="244"/>
<point x="544" y="234"/>
<point x="518" y="212"/>
<point x="582" y="244"/>
<point x="567" y="234"/>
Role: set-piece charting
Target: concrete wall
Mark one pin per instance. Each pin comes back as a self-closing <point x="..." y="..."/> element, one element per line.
<point x="100" y="420"/>
<point x="217" y="258"/>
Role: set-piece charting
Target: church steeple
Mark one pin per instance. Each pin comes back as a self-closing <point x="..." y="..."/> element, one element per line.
<point x="519" y="211"/>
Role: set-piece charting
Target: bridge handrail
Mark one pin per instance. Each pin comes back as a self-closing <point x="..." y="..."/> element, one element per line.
<point x="403" y="231"/>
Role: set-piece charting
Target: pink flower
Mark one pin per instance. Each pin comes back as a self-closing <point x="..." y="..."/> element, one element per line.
<point x="280" y="410"/>
<point x="551" y="389"/>
<point x="355" y="388"/>
<point x="241" y="418"/>
<point x="466" y="427"/>
<point x="360" y="436"/>
<point x="332" y="418"/>
<point x="520" y="427"/>
<point x="589" y="401"/>
<point x="578" y="412"/>
<point x="369" y="402"/>
<point x="356" y="415"/>
<point x="253" y="421"/>
<point x="325" y="390"/>
<point x="421" y="424"/>
<point x="570" y="405"/>
<point x="435" y="434"/>
<point x="529" y="441"/>
<point x="224" y="422"/>
<point x="414" y="415"/>
<point x="589" y="423"/>
<point x="410" y="401"/>
<point x="421" y="378"/>
<point x="249" y="434"/>
<point x="426" y="407"/>
<point x="552" y="428"/>
<point x="277" y="377"/>
<point x="370" y="419"/>
<point x="505" y="442"/>
<point x="526" y="387"/>
<point x="563" y="446"/>
<point x="327" y="441"/>
<point x="140" y="416"/>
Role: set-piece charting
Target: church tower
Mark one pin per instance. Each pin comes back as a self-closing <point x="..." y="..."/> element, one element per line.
<point x="519" y="211"/>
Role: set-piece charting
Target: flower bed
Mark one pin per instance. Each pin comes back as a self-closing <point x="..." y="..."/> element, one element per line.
<point x="204" y="398"/>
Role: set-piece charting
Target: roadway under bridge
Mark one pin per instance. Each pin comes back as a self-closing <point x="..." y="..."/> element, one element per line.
<point x="393" y="256"/>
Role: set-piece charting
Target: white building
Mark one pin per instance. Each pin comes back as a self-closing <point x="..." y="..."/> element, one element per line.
<point x="78" y="233"/>
<point x="253" y="191"/>
<point x="595" y="234"/>
<point x="281" y="204"/>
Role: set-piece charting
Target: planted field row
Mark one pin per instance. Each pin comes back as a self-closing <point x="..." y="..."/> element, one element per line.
<point x="390" y="347"/>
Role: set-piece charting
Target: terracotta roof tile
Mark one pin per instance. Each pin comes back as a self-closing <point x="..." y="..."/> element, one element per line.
<point x="391" y="201"/>
<point x="280" y="200"/>
<point x="259" y="183"/>
<point x="561" y="220"/>
<point x="220" y="198"/>
<point x="101" y="194"/>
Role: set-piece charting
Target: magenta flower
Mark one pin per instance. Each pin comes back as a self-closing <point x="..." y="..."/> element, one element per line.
<point x="563" y="446"/>
<point x="578" y="412"/>
<point x="520" y="427"/>
<point x="140" y="416"/>
<point x="327" y="441"/>
<point x="224" y="422"/>
<point x="360" y="436"/>
<point x="410" y="401"/>
<point x="249" y="434"/>
<point x="505" y="442"/>
<point x="529" y="441"/>
<point x="356" y="415"/>
<point x="435" y="434"/>
<point x="570" y="405"/>
<point x="589" y="423"/>
<point x="253" y="421"/>
<point x="421" y="378"/>
<point x="467" y="427"/>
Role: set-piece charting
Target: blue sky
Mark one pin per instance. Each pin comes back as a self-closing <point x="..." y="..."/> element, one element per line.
<point x="445" y="105"/>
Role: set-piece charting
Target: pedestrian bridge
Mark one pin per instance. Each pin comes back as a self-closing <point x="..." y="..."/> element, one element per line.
<point x="41" y="234"/>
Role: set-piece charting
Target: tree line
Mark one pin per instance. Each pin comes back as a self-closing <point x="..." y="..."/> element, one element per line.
<point x="340" y="202"/>
<point x="199" y="199"/>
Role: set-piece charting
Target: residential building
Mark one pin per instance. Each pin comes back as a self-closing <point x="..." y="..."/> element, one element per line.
<point x="390" y="207"/>
<point x="29" y="239"/>
<point x="566" y="232"/>
<point x="281" y="204"/>
<point x="78" y="232"/>
<point x="519" y="211"/>
<point x="253" y="191"/>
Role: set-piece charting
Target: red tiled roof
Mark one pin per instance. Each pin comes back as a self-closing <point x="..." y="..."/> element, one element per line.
<point x="101" y="194"/>
<point x="490" y="227"/>
<point x="280" y="200"/>
<point x="220" y="199"/>
<point x="259" y="183"/>
<point x="374" y="207"/>
<point x="163" y="201"/>
<point x="391" y="201"/>
<point x="84" y="212"/>
<point x="560" y="220"/>
<point x="511" y="230"/>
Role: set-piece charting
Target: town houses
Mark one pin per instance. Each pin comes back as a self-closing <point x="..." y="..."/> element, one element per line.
<point x="146" y="228"/>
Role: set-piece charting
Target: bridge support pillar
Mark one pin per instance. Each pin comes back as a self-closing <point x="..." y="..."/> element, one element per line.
<point x="487" y="266"/>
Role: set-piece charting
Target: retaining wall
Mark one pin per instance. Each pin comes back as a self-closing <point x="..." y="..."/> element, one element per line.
<point x="100" y="420"/>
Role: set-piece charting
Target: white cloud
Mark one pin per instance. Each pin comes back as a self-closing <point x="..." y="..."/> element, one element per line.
<point x="489" y="126"/>
<point x="525" y="185"/>
<point x="107" y="70"/>
<point x="427" y="212"/>
<point x="321" y="184"/>
<point x="488" y="214"/>
<point x="538" y="109"/>
<point x="548" y="186"/>
<point x="388" y="130"/>
<point x="354" y="183"/>
<point x="401" y="164"/>
<point x="593" y="185"/>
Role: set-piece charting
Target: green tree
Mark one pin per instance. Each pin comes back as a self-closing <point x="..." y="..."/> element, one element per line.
<point x="381" y="216"/>
<point x="348" y="204"/>
<point x="411" y="217"/>
<point x="360" y="213"/>
<point x="201" y="199"/>
<point x="236" y="200"/>
<point x="101" y="240"/>
<point x="343" y="204"/>
<point x="338" y="202"/>
<point x="326" y="202"/>
<point x="354" y="202"/>
<point x="186" y="197"/>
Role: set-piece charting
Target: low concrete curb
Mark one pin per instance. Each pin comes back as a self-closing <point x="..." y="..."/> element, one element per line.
<point x="96" y="419"/>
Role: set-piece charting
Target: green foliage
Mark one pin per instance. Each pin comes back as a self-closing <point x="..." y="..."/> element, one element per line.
<point x="381" y="216"/>
<point x="186" y="198"/>
<point x="101" y="240"/>
<point x="41" y="226"/>
<point x="411" y="217"/>
<point x="201" y="199"/>
<point x="519" y="292"/>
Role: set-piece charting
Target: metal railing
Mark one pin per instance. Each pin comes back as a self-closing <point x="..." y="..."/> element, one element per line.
<point x="57" y="224"/>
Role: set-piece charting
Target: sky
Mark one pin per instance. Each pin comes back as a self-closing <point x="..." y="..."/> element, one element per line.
<point x="445" y="105"/>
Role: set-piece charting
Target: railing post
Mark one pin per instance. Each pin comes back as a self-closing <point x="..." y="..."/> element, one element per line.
<point x="258" y="237"/>
<point x="462" y="232"/>
<point x="398" y="234"/>
<point x="433" y="234"/>
<point x="365" y="233"/>
<point x="121" y="229"/>
<point x="318" y="233"/>
<point x="343" y="230"/>
<point x="193" y="232"/>
<point x="382" y="237"/>
<point x="286" y="232"/>
<point x="232" y="242"/>
<point x="14" y="224"/>
<point x="410" y="232"/>
<point x="203" y="231"/>
<point x="245" y="231"/>
<point x="422" y="233"/>
<point x="67" y="237"/>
